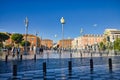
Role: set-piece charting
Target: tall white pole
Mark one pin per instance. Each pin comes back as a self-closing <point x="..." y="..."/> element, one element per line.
<point x="26" y="29"/>
<point x="81" y="31"/>
<point x="62" y="22"/>
<point x="113" y="44"/>
<point x="62" y="37"/>
<point x="36" y="42"/>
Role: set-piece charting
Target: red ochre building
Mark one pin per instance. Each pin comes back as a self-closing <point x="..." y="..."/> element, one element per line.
<point x="66" y="43"/>
<point x="35" y="41"/>
<point x="31" y="38"/>
<point x="47" y="43"/>
<point x="87" y="40"/>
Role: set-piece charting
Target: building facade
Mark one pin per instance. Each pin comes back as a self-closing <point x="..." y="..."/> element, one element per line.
<point x="88" y="41"/>
<point x="47" y="43"/>
<point x="66" y="43"/>
<point x="111" y="34"/>
<point x="34" y="41"/>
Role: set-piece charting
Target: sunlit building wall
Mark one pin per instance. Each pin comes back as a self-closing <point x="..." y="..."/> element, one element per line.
<point x="86" y="41"/>
<point x="66" y="43"/>
<point x="47" y="43"/>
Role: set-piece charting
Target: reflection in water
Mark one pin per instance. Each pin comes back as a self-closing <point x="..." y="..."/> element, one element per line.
<point x="56" y="60"/>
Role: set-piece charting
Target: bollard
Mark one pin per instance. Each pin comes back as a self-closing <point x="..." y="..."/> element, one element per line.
<point x="110" y="63"/>
<point x="14" y="70"/>
<point x="91" y="64"/>
<point x="44" y="67"/>
<point x="6" y="58"/>
<point x="21" y="57"/>
<point x="81" y="55"/>
<point x="44" y="77"/>
<point x="91" y="54"/>
<point x="70" y="65"/>
<point x="35" y="57"/>
<point x="70" y="55"/>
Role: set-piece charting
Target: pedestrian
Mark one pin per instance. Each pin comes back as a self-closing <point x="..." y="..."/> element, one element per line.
<point x="34" y="49"/>
<point x="18" y="52"/>
<point x="13" y="51"/>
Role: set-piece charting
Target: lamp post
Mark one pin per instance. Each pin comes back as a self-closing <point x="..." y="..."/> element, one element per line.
<point x="55" y="37"/>
<point x="62" y="22"/>
<point x="26" y="32"/>
<point x="81" y="31"/>
<point x="108" y="41"/>
<point x="36" y="41"/>
<point x="113" y="43"/>
<point x="36" y="46"/>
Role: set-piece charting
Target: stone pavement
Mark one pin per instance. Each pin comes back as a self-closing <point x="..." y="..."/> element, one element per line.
<point x="100" y="72"/>
<point x="29" y="69"/>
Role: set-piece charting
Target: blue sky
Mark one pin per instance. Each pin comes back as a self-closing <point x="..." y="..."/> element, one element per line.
<point x="44" y="16"/>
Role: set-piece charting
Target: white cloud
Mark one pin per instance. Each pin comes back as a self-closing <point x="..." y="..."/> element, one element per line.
<point x="95" y="25"/>
<point x="55" y="35"/>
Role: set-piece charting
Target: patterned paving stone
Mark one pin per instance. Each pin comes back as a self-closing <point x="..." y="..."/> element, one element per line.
<point x="38" y="79"/>
<point x="63" y="74"/>
<point x="93" y="75"/>
<point x="38" y="76"/>
<point x="15" y="78"/>
<point x="85" y="78"/>
<point x="117" y="76"/>
<point x="28" y="75"/>
<point x="27" y="78"/>
<point x="61" y="78"/>
<point x="73" y="77"/>
<point x="50" y="77"/>
<point x="3" y="78"/>
<point x="97" y="79"/>
<point x="50" y="74"/>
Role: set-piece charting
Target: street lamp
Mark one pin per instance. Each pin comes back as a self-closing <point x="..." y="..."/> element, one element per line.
<point x="36" y="46"/>
<point x="36" y="41"/>
<point x="81" y="31"/>
<point x="55" y="37"/>
<point x="113" y="43"/>
<point x="62" y="22"/>
<point x="26" y="32"/>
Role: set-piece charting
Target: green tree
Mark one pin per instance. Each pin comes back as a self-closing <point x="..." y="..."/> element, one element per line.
<point x="23" y="43"/>
<point x="17" y="38"/>
<point x="117" y="44"/>
<point x="102" y="46"/>
<point x="3" y="37"/>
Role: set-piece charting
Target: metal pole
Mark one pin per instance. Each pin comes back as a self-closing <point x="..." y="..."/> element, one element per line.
<point x="21" y="57"/>
<point x="62" y="22"/>
<point x="36" y="42"/>
<point x="70" y="66"/>
<point x="91" y="64"/>
<point x="44" y="68"/>
<point x="113" y="45"/>
<point x="110" y="64"/>
<point x="26" y="29"/>
<point x="36" y="48"/>
<point x="14" y="70"/>
<point x="6" y="58"/>
<point x="26" y="40"/>
<point x="62" y="37"/>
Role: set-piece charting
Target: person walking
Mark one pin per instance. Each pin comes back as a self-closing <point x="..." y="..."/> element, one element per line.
<point x="18" y="52"/>
<point x="13" y="51"/>
<point x="34" y="49"/>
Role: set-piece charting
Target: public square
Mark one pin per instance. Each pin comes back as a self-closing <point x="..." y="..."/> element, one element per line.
<point x="57" y="66"/>
<point x="59" y="39"/>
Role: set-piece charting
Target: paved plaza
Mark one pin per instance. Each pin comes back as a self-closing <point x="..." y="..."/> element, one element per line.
<point x="57" y="67"/>
<point x="100" y="72"/>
